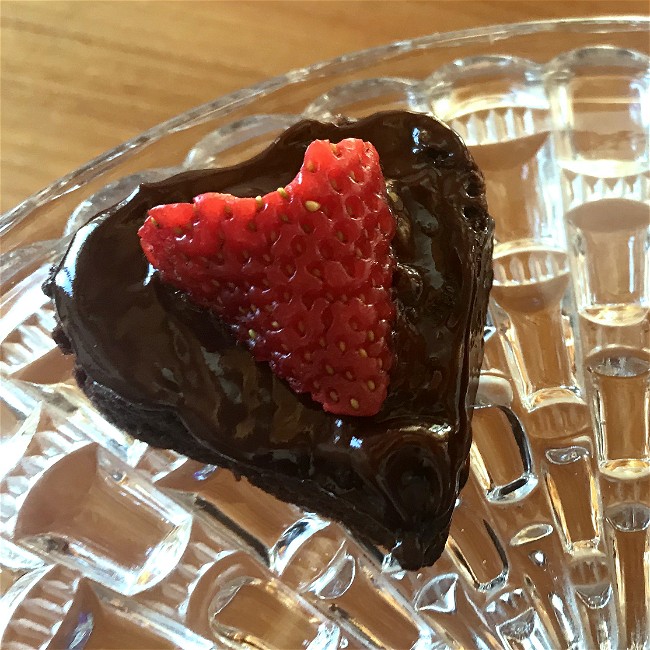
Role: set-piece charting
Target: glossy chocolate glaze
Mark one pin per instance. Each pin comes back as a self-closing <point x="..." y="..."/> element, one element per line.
<point x="171" y="373"/>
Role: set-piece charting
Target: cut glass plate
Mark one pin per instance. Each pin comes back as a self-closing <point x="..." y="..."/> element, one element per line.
<point x="106" y="542"/>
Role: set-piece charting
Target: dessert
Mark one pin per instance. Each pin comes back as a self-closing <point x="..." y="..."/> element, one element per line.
<point x="173" y="372"/>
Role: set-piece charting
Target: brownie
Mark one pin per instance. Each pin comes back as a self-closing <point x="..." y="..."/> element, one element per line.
<point x="168" y="372"/>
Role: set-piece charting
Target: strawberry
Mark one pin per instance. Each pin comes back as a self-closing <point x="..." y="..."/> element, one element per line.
<point x="302" y="275"/>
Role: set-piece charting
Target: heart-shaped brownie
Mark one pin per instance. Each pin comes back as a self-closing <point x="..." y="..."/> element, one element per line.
<point x="191" y="356"/>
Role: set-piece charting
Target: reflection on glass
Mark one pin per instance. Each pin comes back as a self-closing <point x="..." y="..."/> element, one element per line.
<point x="621" y="406"/>
<point x="574" y="498"/>
<point x="88" y="510"/>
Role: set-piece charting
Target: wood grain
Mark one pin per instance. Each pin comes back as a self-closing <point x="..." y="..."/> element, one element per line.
<point x="80" y="77"/>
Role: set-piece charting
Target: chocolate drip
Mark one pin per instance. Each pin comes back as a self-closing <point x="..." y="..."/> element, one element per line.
<point x="171" y="374"/>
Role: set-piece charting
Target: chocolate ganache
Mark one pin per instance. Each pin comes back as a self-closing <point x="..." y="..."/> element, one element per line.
<point x="170" y="373"/>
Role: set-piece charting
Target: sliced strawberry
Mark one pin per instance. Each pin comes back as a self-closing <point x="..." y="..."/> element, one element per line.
<point x="302" y="275"/>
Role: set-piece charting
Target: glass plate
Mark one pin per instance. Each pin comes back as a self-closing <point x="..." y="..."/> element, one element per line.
<point x="107" y="543"/>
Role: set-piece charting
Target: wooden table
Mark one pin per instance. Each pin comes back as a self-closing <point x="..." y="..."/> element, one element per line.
<point x="80" y="77"/>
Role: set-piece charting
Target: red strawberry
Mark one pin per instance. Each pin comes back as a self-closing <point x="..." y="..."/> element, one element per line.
<point x="302" y="275"/>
